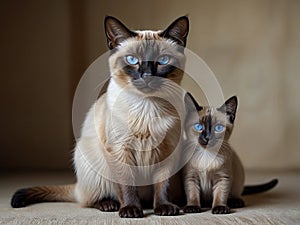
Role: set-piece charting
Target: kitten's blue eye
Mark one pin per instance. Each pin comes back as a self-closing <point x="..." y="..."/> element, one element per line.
<point x="219" y="128"/>
<point x="132" y="60"/>
<point x="163" y="60"/>
<point x="198" y="127"/>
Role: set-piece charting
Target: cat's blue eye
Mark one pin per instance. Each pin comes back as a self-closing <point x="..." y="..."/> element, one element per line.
<point x="132" y="60"/>
<point x="219" y="128"/>
<point x="198" y="127"/>
<point x="163" y="60"/>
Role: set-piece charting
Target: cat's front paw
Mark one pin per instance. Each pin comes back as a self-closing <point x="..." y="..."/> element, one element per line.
<point x="221" y="209"/>
<point x="131" y="212"/>
<point x="166" y="210"/>
<point x="107" y="205"/>
<point x="192" y="209"/>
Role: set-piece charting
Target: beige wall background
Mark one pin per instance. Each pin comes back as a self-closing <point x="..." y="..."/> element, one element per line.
<point x="253" y="47"/>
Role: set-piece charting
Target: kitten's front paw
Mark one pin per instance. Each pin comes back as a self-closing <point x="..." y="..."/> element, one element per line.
<point x="221" y="209"/>
<point x="107" y="205"/>
<point x="235" y="203"/>
<point x="166" y="210"/>
<point x="131" y="212"/>
<point x="192" y="209"/>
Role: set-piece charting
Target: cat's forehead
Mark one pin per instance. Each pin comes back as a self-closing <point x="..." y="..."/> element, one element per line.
<point x="148" y="43"/>
<point x="148" y="35"/>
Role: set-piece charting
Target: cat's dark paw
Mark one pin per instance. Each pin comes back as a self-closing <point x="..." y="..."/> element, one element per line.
<point x="192" y="209"/>
<point x="235" y="203"/>
<point x="107" y="205"/>
<point x="166" y="210"/>
<point x="131" y="212"/>
<point x="21" y="198"/>
<point x="221" y="209"/>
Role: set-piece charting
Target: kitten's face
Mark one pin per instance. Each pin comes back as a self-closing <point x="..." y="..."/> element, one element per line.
<point x="140" y="60"/>
<point x="213" y="126"/>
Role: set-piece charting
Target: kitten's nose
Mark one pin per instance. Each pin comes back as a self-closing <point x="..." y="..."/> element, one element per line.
<point x="203" y="140"/>
<point x="206" y="139"/>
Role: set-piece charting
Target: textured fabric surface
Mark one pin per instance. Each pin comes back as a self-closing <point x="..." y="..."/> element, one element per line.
<point x="279" y="206"/>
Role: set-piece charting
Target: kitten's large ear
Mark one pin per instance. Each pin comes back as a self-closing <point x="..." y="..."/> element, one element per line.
<point x="189" y="99"/>
<point x="229" y="107"/>
<point x="116" y="32"/>
<point x="177" y="31"/>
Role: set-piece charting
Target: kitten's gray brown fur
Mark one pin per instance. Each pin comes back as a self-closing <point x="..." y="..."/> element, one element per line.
<point x="215" y="173"/>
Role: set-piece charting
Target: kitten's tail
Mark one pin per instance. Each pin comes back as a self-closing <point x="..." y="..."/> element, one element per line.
<point x="27" y="196"/>
<point x="253" y="189"/>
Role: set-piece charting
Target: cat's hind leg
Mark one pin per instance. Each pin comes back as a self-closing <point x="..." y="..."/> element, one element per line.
<point x="100" y="196"/>
<point x="106" y="204"/>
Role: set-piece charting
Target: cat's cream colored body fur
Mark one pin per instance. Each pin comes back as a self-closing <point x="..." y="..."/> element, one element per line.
<point x="130" y="137"/>
<point x="121" y="117"/>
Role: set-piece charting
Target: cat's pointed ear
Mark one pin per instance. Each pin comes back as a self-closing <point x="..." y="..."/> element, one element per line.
<point x="190" y="102"/>
<point x="116" y="32"/>
<point x="177" y="31"/>
<point x="229" y="107"/>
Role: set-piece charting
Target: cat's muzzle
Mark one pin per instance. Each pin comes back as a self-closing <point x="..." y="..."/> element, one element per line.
<point x="148" y="84"/>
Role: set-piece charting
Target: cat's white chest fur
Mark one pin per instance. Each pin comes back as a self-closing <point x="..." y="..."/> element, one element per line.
<point x="140" y="122"/>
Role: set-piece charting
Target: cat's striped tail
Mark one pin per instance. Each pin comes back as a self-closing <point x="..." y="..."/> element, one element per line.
<point x="27" y="196"/>
<point x="253" y="189"/>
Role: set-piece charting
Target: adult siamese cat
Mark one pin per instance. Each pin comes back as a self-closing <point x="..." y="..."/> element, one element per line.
<point x="214" y="173"/>
<point x="130" y="128"/>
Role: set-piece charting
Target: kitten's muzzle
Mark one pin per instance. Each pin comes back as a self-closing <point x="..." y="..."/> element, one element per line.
<point x="207" y="142"/>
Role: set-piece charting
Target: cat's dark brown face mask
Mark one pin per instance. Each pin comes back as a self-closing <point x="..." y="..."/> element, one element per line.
<point x="148" y="67"/>
<point x="146" y="58"/>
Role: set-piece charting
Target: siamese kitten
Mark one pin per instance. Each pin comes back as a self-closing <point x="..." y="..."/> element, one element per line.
<point x="128" y="129"/>
<point x="215" y="173"/>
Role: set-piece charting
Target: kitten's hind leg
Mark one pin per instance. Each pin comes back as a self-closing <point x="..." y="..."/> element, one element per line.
<point x="235" y="202"/>
<point x="107" y="205"/>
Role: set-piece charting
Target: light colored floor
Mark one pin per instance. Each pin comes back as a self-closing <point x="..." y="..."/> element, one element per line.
<point x="279" y="206"/>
